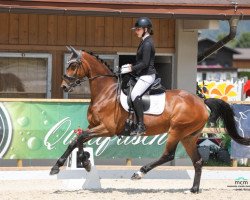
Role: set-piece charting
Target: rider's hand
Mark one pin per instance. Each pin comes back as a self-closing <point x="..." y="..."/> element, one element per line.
<point x="126" y="68"/>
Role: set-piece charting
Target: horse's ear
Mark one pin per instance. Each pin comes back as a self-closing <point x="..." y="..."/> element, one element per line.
<point x="68" y="48"/>
<point x="75" y="52"/>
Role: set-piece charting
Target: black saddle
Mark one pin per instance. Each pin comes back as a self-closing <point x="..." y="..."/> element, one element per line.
<point x="155" y="88"/>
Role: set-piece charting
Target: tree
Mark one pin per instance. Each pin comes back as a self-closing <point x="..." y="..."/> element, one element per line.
<point x="244" y="40"/>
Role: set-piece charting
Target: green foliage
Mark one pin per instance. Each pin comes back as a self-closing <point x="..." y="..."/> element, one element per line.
<point x="244" y="40"/>
<point x="244" y="74"/>
<point x="220" y="36"/>
<point x="226" y="142"/>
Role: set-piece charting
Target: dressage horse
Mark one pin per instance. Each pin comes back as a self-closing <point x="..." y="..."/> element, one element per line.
<point x="183" y="118"/>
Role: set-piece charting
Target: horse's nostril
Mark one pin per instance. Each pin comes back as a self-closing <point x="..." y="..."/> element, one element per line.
<point x="64" y="88"/>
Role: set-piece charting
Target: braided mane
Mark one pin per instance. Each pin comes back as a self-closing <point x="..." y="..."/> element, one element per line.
<point x="99" y="59"/>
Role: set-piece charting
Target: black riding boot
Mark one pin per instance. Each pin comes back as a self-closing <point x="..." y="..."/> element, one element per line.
<point x="138" y="108"/>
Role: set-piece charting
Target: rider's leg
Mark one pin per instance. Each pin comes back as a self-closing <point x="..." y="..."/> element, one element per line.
<point x="138" y="108"/>
<point x="140" y="87"/>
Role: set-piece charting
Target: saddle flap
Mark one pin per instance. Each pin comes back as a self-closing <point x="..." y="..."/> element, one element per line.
<point x="156" y="106"/>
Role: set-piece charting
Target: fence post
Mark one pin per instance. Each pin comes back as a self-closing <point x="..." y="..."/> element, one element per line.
<point x="19" y="163"/>
<point x="128" y="161"/>
<point x="234" y="163"/>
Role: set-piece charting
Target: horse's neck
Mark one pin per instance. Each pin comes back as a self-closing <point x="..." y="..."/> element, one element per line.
<point x="102" y="86"/>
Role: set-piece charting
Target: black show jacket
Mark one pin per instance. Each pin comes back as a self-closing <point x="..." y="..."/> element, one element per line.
<point x="145" y="58"/>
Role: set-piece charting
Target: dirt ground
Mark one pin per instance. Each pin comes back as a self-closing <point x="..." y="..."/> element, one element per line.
<point x="113" y="189"/>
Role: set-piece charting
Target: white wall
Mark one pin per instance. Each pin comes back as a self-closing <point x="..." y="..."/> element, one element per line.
<point x="185" y="56"/>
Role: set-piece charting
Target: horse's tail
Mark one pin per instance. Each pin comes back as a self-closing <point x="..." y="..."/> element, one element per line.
<point x="221" y="109"/>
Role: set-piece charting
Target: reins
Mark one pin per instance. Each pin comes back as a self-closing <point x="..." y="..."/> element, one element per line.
<point x="107" y="75"/>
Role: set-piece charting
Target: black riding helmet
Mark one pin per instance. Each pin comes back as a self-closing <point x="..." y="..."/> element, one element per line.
<point x="143" y="22"/>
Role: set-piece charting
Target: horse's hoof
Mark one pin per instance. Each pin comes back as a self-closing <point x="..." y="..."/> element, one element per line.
<point x="54" y="170"/>
<point x="137" y="176"/>
<point x="87" y="165"/>
<point x="194" y="190"/>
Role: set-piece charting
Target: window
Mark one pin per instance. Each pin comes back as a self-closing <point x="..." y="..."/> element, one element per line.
<point x="25" y="75"/>
<point x="83" y="91"/>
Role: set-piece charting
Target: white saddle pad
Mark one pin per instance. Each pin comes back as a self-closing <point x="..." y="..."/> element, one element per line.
<point x="157" y="103"/>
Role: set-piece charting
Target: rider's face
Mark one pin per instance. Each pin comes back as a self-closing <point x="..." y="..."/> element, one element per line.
<point x="139" y="32"/>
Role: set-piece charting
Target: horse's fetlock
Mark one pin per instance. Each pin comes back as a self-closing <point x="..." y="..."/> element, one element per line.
<point x="145" y="169"/>
<point x="61" y="161"/>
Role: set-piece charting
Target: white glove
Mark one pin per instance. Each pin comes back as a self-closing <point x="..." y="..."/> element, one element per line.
<point x="126" y="69"/>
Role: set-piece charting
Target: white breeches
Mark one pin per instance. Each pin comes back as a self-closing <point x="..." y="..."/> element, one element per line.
<point x="142" y="85"/>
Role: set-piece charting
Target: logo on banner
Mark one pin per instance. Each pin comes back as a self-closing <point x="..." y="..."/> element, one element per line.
<point x="240" y="183"/>
<point x="5" y="130"/>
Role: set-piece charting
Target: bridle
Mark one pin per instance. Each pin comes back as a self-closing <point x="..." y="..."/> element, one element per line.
<point x="74" y="80"/>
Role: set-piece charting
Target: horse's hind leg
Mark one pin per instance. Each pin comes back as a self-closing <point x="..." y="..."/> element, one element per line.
<point x="190" y="145"/>
<point x="167" y="156"/>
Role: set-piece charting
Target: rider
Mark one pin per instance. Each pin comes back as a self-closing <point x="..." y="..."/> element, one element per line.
<point x="143" y="68"/>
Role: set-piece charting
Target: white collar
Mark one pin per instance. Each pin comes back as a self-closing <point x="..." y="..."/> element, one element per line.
<point x="146" y="35"/>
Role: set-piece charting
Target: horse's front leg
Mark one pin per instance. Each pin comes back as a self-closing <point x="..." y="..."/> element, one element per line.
<point x="78" y="141"/>
<point x="60" y="162"/>
<point x="83" y="156"/>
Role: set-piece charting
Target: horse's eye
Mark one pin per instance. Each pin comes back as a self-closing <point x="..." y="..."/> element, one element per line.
<point x="73" y="66"/>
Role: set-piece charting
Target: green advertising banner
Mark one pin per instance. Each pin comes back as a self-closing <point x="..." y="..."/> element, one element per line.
<point x="43" y="130"/>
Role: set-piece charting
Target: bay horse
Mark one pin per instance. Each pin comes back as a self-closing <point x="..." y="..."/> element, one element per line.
<point x="183" y="118"/>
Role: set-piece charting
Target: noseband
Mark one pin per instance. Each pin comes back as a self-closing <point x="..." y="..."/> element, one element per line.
<point x="72" y="81"/>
